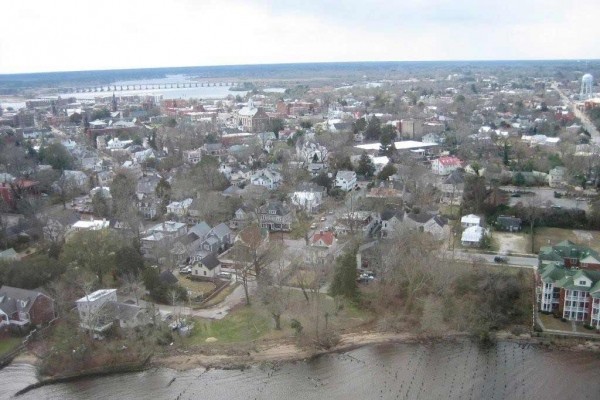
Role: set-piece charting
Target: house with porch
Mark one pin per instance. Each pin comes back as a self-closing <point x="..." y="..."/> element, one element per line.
<point x="571" y="293"/>
<point x="275" y="216"/>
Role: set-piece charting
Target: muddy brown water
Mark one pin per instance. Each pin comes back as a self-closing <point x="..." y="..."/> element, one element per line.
<point x="443" y="370"/>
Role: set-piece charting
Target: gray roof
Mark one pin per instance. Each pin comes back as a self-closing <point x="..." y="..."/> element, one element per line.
<point x="9" y="296"/>
<point x="147" y="184"/>
<point x="390" y="213"/>
<point x="212" y="240"/>
<point x="420" y="218"/>
<point x="456" y="177"/>
<point x="221" y="230"/>
<point x="346" y="175"/>
<point x="274" y="205"/>
<point x="201" y="229"/>
<point x="210" y="261"/>
<point x="441" y="221"/>
<point x="309" y="187"/>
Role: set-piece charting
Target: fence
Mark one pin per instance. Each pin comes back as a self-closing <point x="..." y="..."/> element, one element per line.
<point x="35" y="333"/>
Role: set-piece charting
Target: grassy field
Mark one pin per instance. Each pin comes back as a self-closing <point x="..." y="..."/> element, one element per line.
<point x="245" y="324"/>
<point x="8" y="344"/>
<point x="551" y="236"/>
<point x="196" y="287"/>
<point x="558" y="325"/>
<point x="241" y="325"/>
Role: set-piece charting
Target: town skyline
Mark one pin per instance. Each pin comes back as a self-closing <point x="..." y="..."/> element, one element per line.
<point x="125" y="36"/>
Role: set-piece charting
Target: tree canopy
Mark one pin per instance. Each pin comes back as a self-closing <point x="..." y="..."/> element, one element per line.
<point x="56" y="155"/>
<point x="93" y="251"/>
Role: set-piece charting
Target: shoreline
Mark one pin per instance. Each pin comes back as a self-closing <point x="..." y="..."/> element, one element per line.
<point x="286" y="350"/>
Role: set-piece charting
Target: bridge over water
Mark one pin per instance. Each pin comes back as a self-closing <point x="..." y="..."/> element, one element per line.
<point x="148" y="86"/>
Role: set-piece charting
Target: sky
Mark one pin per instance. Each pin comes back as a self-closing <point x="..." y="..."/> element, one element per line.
<point x="69" y="35"/>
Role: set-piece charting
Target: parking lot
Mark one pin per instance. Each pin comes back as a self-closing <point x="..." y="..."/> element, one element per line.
<point x="545" y="197"/>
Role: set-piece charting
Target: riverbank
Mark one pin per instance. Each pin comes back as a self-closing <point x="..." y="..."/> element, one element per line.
<point x="286" y="350"/>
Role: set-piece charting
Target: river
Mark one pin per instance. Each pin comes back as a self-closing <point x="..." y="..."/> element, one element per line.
<point x="443" y="370"/>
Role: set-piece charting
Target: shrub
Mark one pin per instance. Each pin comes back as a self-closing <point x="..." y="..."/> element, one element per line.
<point x="297" y="326"/>
<point x="518" y="330"/>
<point x="589" y="327"/>
<point x="563" y="319"/>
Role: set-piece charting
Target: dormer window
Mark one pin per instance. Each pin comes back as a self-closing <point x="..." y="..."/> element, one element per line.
<point x="582" y="283"/>
<point x="272" y="212"/>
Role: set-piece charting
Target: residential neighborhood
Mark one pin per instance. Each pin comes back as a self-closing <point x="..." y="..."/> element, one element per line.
<point x="155" y="224"/>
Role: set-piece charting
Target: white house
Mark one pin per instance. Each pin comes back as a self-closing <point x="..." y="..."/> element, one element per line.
<point x="90" y="308"/>
<point x="472" y="236"/>
<point x="115" y="143"/>
<point x="90" y="225"/>
<point x="267" y="178"/>
<point x="308" y="196"/>
<point x="208" y="267"/>
<point x="345" y="180"/>
<point x="470" y="220"/>
<point x="179" y="208"/>
<point x="445" y="165"/>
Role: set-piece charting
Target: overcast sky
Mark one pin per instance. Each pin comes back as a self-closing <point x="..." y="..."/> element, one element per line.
<point x="65" y="35"/>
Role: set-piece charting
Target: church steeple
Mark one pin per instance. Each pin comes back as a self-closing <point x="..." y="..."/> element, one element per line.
<point x="114" y="103"/>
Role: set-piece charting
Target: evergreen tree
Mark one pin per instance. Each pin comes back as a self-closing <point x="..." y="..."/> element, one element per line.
<point x="373" y="131"/>
<point x="505" y="159"/>
<point x="365" y="166"/>
<point x="386" y="172"/>
<point x="344" y="278"/>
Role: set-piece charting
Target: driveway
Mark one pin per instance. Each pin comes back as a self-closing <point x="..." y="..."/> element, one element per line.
<point x="219" y="311"/>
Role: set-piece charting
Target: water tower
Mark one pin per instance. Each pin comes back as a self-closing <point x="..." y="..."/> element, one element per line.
<point x="586" y="87"/>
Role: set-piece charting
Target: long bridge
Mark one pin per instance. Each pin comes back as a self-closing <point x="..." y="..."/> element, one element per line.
<point x="148" y="86"/>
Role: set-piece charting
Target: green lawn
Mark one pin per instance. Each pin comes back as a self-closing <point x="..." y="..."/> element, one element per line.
<point x="8" y="344"/>
<point x="241" y="325"/>
<point x="245" y="324"/>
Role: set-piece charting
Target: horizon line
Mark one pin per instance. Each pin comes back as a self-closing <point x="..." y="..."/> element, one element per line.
<point x="5" y="74"/>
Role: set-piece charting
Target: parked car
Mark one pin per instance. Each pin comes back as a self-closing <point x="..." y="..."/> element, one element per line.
<point x="323" y="219"/>
<point x="501" y="259"/>
<point x="313" y="226"/>
<point x="185" y="271"/>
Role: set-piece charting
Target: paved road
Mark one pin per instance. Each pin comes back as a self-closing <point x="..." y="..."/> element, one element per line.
<point x="585" y="121"/>
<point x="217" y="312"/>
<point x="513" y="261"/>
